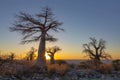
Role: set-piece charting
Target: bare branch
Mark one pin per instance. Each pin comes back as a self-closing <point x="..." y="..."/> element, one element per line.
<point x="106" y="56"/>
<point x="93" y="42"/>
<point x="53" y="50"/>
<point x="28" y="35"/>
<point x="54" y="25"/>
<point x="34" y="38"/>
<point x="50" y="38"/>
<point x="87" y="49"/>
<point x="23" y="17"/>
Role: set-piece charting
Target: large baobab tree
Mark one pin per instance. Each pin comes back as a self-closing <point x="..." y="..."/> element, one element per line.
<point x="96" y="50"/>
<point x="36" y="28"/>
<point x="51" y="52"/>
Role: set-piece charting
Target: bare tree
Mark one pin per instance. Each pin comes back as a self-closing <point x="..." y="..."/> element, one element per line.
<point x="35" y="28"/>
<point x="31" y="54"/>
<point x="51" y="52"/>
<point x="12" y="56"/>
<point x="96" y="50"/>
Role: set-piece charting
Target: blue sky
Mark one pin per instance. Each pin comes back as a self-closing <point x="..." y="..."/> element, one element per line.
<point x="81" y="19"/>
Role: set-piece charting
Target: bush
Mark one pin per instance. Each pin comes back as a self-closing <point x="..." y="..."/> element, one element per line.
<point x="82" y="65"/>
<point x="116" y="64"/>
<point x="104" y="68"/>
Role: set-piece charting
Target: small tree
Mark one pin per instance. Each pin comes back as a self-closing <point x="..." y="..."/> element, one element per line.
<point x="51" y="52"/>
<point x="12" y="56"/>
<point x="31" y="54"/>
<point x="95" y="50"/>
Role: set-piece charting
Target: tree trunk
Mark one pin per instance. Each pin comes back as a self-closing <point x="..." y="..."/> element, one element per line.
<point x="41" y="60"/>
<point x="52" y="59"/>
<point x="97" y="59"/>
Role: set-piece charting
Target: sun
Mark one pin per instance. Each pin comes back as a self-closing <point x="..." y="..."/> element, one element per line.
<point x="47" y="56"/>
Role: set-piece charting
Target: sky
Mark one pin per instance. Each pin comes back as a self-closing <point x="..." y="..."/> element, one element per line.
<point x="81" y="19"/>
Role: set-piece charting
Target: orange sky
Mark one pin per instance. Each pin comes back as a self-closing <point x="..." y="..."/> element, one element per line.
<point x="67" y="52"/>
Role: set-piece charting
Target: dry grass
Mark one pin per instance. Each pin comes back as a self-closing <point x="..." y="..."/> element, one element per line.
<point x="14" y="67"/>
<point x="106" y="67"/>
<point x="56" y="68"/>
<point x="103" y="68"/>
<point x="8" y="69"/>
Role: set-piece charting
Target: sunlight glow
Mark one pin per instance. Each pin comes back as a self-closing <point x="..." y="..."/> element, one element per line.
<point x="47" y="56"/>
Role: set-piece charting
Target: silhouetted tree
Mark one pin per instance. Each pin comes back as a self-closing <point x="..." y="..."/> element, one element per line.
<point x="31" y="54"/>
<point x="51" y="52"/>
<point x="95" y="50"/>
<point x="35" y="28"/>
<point x="11" y="56"/>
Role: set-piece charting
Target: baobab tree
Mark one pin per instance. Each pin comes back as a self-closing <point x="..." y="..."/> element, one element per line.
<point x="51" y="52"/>
<point x="36" y="28"/>
<point x="96" y="50"/>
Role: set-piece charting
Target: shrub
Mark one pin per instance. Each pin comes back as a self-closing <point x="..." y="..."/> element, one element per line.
<point x="82" y="65"/>
<point x="116" y="64"/>
<point x="104" y="68"/>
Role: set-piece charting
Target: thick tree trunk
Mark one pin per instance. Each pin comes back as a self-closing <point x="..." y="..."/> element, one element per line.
<point x="41" y="60"/>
